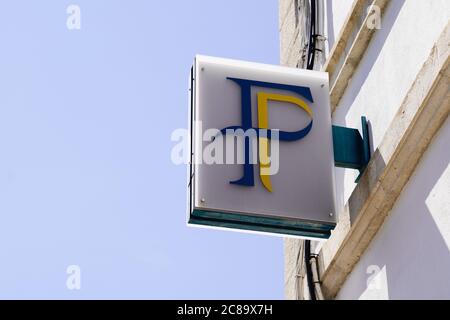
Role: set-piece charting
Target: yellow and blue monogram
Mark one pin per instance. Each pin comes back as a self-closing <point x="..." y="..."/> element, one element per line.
<point x="264" y="133"/>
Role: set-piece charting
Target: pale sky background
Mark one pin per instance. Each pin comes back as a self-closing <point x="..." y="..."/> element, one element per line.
<point x="85" y="170"/>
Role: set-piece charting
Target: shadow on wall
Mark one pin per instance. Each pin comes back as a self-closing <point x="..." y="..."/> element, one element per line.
<point x="371" y="56"/>
<point x="353" y="89"/>
<point x="411" y="249"/>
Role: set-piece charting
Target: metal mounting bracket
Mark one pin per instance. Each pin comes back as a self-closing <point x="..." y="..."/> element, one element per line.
<point x="350" y="149"/>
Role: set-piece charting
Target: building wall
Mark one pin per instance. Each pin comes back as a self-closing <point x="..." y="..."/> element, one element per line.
<point x="409" y="29"/>
<point x="410" y="253"/>
<point x="337" y="12"/>
<point x="410" y="256"/>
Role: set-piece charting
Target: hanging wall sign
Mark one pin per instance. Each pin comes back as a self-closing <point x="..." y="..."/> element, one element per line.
<point x="261" y="149"/>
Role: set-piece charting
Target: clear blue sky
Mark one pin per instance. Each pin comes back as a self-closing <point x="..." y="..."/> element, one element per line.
<point x="85" y="171"/>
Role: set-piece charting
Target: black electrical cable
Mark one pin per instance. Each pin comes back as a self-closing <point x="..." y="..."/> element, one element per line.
<point x="309" y="274"/>
<point x="312" y="37"/>
<point x="310" y="65"/>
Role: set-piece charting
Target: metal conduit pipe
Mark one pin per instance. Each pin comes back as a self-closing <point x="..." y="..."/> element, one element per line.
<point x="315" y="277"/>
<point x="316" y="39"/>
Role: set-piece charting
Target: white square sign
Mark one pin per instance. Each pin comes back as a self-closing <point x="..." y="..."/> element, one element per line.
<point x="261" y="149"/>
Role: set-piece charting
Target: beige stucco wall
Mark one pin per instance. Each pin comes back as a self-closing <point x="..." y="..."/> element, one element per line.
<point x="389" y="67"/>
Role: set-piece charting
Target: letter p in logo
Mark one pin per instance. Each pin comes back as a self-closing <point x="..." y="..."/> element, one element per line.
<point x="263" y="123"/>
<point x="263" y="131"/>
